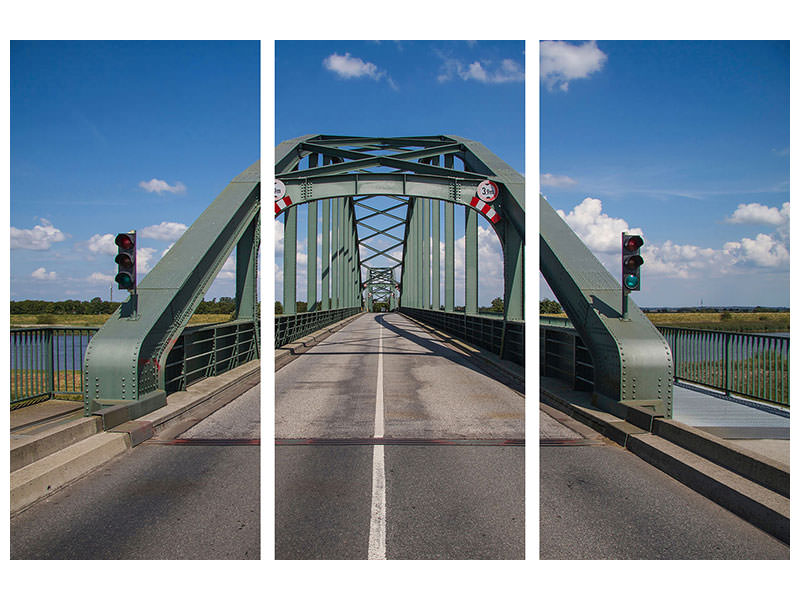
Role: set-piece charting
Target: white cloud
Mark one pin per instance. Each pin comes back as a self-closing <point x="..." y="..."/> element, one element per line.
<point x="760" y="214"/>
<point x="143" y="258"/>
<point x="561" y="62"/>
<point x="159" y="186"/>
<point x="598" y="231"/>
<point x="167" y="231"/>
<point x="41" y="273"/>
<point x="351" y="67"/>
<point x="506" y="72"/>
<point x="100" y="278"/>
<point x="102" y="244"/>
<point x="550" y="180"/>
<point x="764" y="251"/>
<point x="41" y="237"/>
<point x="601" y="233"/>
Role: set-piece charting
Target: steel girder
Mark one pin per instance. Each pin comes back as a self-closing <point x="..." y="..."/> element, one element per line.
<point x="632" y="361"/>
<point x="125" y="360"/>
<point x="357" y="167"/>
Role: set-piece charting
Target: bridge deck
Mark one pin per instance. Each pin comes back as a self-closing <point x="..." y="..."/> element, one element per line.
<point x="453" y="487"/>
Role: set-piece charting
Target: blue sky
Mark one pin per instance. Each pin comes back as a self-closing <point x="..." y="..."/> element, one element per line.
<point x="113" y="136"/>
<point x="686" y="141"/>
<point x="370" y="88"/>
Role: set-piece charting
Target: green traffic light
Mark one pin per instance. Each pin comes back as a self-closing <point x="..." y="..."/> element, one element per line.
<point x="124" y="280"/>
<point x="631" y="281"/>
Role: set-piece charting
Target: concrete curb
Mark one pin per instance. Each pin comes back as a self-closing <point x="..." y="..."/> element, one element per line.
<point x="507" y="368"/>
<point x="751" y="500"/>
<point x="288" y="352"/>
<point x="28" y="450"/>
<point x="63" y="456"/>
<point x="45" y="476"/>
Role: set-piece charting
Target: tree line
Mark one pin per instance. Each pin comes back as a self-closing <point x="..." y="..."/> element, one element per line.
<point x="98" y="306"/>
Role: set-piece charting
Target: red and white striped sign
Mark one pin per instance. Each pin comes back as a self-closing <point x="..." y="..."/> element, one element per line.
<point x="282" y="204"/>
<point x="282" y="201"/>
<point x="487" y="210"/>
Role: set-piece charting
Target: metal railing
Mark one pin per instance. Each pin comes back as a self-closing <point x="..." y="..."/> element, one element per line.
<point x="504" y="338"/>
<point x="289" y="328"/>
<point x="563" y="355"/>
<point x="748" y="364"/>
<point x="208" y="350"/>
<point x="47" y="362"/>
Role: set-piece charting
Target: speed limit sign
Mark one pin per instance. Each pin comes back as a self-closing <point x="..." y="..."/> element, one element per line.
<point x="280" y="189"/>
<point x="487" y="191"/>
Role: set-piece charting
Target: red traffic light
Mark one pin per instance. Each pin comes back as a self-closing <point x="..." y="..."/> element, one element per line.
<point x="633" y="243"/>
<point x="124" y="241"/>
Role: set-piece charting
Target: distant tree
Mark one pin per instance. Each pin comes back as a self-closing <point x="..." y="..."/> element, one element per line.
<point x="549" y="307"/>
<point x="278" y="308"/>
<point x="497" y="305"/>
<point x="726" y="316"/>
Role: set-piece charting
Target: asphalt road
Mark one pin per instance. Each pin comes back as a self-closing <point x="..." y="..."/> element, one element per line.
<point x="159" y="501"/>
<point x="599" y="501"/>
<point x="408" y="496"/>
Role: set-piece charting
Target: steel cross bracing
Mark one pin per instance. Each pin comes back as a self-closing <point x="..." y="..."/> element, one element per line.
<point x="381" y="206"/>
<point x="125" y="362"/>
<point x="382" y="287"/>
<point x="632" y="361"/>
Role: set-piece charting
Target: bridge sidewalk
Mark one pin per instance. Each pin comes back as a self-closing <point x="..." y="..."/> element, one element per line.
<point x="749" y="483"/>
<point x="52" y="444"/>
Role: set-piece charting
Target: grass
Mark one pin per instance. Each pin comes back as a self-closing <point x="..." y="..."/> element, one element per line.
<point x="97" y="320"/>
<point x="24" y="382"/>
<point x="737" y="322"/>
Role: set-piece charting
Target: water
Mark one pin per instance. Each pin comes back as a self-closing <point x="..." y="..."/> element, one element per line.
<point x="30" y="351"/>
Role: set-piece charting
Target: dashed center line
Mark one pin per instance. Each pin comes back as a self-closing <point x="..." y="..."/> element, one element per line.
<point x="377" y="524"/>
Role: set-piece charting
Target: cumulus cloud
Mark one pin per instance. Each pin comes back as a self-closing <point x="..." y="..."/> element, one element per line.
<point x="550" y="180"/>
<point x="41" y="237"/>
<point x="100" y="278"/>
<point x="561" y="62"/>
<point x="600" y="232"/>
<point x="159" y="186"/>
<point x="506" y="71"/>
<point x="102" y="244"/>
<point x="352" y="67"/>
<point x="42" y="274"/>
<point x="165" y="230"/>
<point x="143" y="258"/>
<point x="760" y="214"/>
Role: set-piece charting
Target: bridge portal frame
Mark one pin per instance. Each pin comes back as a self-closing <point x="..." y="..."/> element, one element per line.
<point x="416" y="176"/>
<point x="633" y="363"/>
<point x="124" y="364"/>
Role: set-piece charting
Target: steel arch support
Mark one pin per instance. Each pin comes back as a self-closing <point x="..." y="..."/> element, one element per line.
<point x="632" y="361"/>
<point x="124" y="362"/>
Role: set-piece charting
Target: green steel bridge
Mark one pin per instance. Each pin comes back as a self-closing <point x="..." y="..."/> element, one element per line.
<point x="377" y="212"/>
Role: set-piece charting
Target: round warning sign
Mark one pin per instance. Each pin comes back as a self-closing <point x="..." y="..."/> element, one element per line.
<point x="280" y="190"/>
<point x="487" y="191"/>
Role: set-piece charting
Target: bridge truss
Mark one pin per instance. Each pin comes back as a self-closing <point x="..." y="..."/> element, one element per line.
<point x="381" y="202"/>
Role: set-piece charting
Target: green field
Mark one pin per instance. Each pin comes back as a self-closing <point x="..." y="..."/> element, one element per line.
<point x="97" y="320"/>
<point x="735" y="322"/>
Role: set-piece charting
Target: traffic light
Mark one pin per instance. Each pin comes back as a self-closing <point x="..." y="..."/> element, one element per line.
<point x="631" y="262"/>
<point x="126" y="261"/>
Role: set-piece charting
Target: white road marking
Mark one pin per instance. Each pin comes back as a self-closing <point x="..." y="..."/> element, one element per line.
<point x="377" y="523"/>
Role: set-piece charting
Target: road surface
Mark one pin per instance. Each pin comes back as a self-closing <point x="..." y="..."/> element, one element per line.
<point x="159" y="501"/>
<point x="393" y="470"/>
